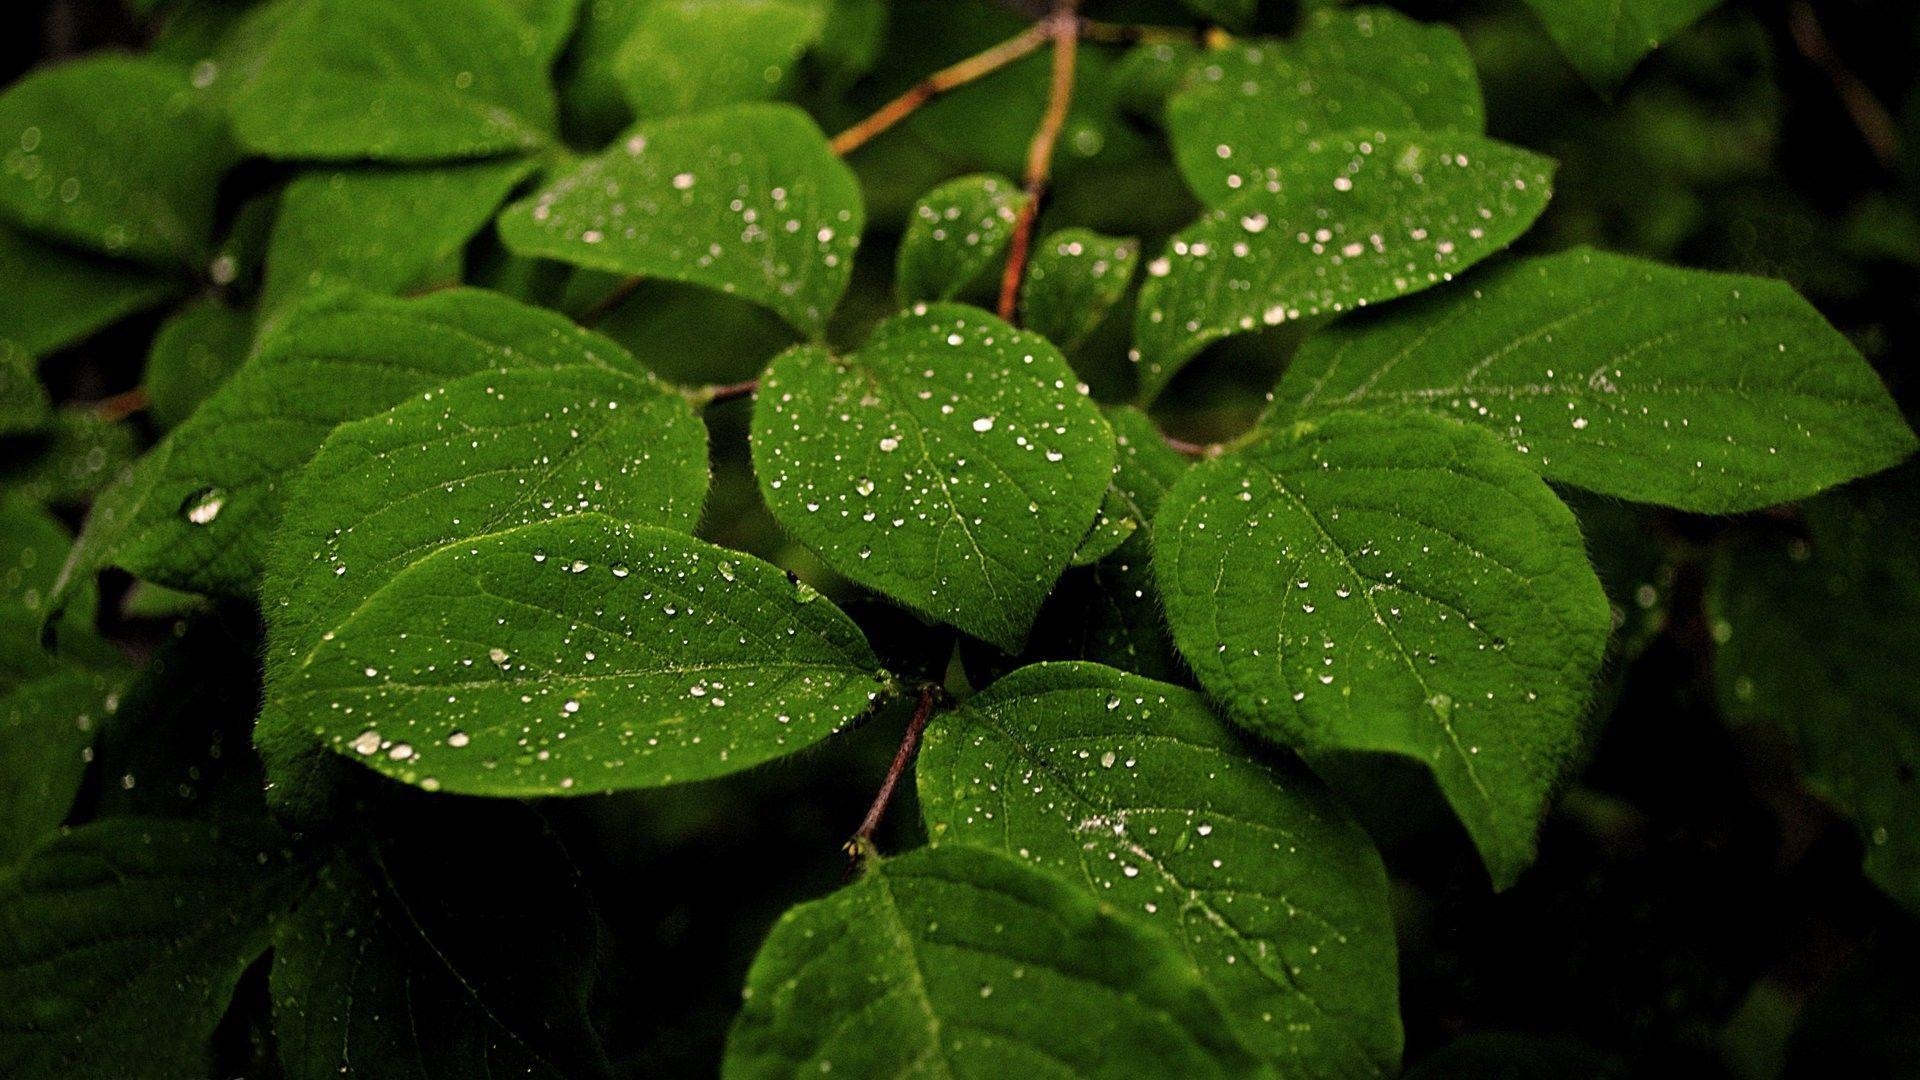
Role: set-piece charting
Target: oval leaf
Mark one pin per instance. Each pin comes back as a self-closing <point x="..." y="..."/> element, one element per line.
<point x="1075" y="278"/>
<point x="957" y="231"/>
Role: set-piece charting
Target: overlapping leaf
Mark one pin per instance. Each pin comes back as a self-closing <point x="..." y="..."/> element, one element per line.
<point x="1606" y="39"/>
<point x="683" y="56"/>
<point x="957" y="231"/>
<point x="1075" y="277"/>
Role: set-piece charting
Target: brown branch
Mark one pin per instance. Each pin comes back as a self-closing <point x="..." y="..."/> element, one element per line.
<point x="122" y="405"/>
<point x="973" y="67"/>
<point x="1107" y="33"/>
<point x="1876" y="125"/>
<point x="1063" y="26"/>
<point x="726" y="391"/>
<point x="1190" y="449"/>
<point x="862" y="843"/>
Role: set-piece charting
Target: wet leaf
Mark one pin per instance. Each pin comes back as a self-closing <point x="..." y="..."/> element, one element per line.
<point x="957" y="231"/>
<point x="1075" y="277"/>
<point x="1606" y="39"/>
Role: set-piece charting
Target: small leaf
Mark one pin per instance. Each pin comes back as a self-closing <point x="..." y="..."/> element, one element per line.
<point x="381" y="229"/>
<point x="116" y="155"/>
<point x="1134" y="788"/>
<point x="637" y="657"/>
<point x="684" y="56"/>
<point x="395" y="80"/>
<point x="957" y="961"/>
<point x="1112" y="527"/>
<point x="122" y="941"/>
<point x="1249" y="109"/>
<point x="748" y="200"/>
<point x="1709" y="392"/>
<point x="194" y="353"/>
<point x="956" y="232"/>
<point x="1606" y="39"/>
<point x="1398" y="584"/>
<point x="455" y="939"/>
<point x="198" y="512"/>
<point x="1075" y="277"/>
<point x="69" y="460"/>
<point x="950" y="464"/>
<point x="1347" y="221"/>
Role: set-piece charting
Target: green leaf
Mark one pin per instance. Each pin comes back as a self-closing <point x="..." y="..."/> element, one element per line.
<point x="749" y="200"/>
<point x="455" y="940"/>
<point x="1345" y="222"/>
<point x="1135" y="789"/>
<point x="1075" y="277"/>
<point x="685" y="56"/>
<point x="114" y="154"/>
<point x="1396" y="584"/>
<point x="957" y="231"/>
<point x="1816" y="636"/>
<point x="194" y="353"/>
<point x="24" y="405"/>
<point x="545" y="24"/>
<point x="484" y="454"/>
<point x="1112" y="527"/>
<point x="381" y="229"/>
<point x="1231" y="14"/>
<point x="638" y="657"/>
<point x="956" y="961"/>
<point x="395" y="80"/>
<point x="198" y="512"/>
<point x="1709" y="392"/>
<point x="71" y="459"/>
<point x="1251" y="108"/>
<point x="951" y="464"/>
<point x="1606" y="39"/>
<point x="122" y="941"/>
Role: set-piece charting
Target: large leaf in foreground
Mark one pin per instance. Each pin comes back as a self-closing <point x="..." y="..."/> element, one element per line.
<point x="1605" y="39"/>
<point x="1135" y="788"/>
<point x="199" y="511"/>
<point x="1398" y="584"/>
<point x="395" y="80"/>
<point x="1346" y="221"/>
<point x="956" y="961"/>
<point x="749" y="200"/>
<point x="580" y="655"/>
<point x="119" y="923"/>
<point x="455" y="939"/>
<point x="1252" y="106"/>
<point x="1709" y="392"/>
<point x="951" y="464"/>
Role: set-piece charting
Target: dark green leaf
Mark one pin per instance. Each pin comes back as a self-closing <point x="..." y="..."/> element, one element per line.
<point x="685" y="56"/>
<point x="951" y="464"/>
<point x="957" y="231"/>
<point x="1074" y="278"/>
<point x="1605" y="39"/>
<point x="1399" y="584"/>
<point x="956" y="961"/>
<point x="1134" y="788"/>
<point x="193" y="355"/>
<point x="1709" y="392"/>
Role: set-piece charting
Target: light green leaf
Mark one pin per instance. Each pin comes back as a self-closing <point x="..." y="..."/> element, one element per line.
<point x="1075" y="277"/>
<point x="545" y="24"/>
<point x="110" y="928"/>
<point x="684" y="56"/>
<point x="193" y="354"/>
<point x="24" y="405"/>
<point x="1816" y="636"/>
<point x="1249" y="109"/>
<point x="637" y="657"/>
<point x="1346" y="222"/>
<point x="395" y="80"/>
<point x="1398" y="584"/>
<point x="1606" y="39"/>
<point x="1709" y="392"/>
<point x="114" y="154"/>
<point x="957" y="231"/>
<point x="956" y="961"/>
<point x="1135" y="789"/>
<point x="456" y="939"/>
<point x="381" y="229"/>
<point x="951" y="464"/>
<point x="749" y="200"/>
<point x="198" y="512"/>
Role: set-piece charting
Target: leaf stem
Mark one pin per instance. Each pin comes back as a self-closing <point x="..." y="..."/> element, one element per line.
<point x="707" y="395"/>
<point x="1110" y="33"/>
<point x="604" y="306"/>
<point x="121" y="405"/>
<point x="1063" y="26"/>
<point x="861" y="846"/>
<point x="973" y="67"/>
<point x="1876" y="125"/>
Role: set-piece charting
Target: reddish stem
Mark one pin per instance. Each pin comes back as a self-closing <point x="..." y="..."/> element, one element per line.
<point x="1063" y="26"/>
<point x="862" y="842"/>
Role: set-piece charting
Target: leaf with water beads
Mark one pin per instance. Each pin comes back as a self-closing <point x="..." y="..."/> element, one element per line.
<point x="114" y="154"/>
<point x="683" y="56"/>
<point x="952" y="464"/>
<point x="749" y="200"/>
<point x="580" y="655"/>
<point x="341" y="80"/>
<point x="1606" y="39"/>
<point x="955" y="233"/>
<point x="1710" y="392"/>
<point x="1075" y="277"/>
<point x="1135" y="788"/>
<point x="1397" y="584"/>
<point x="1348" y="221"/>
<point x="957" y="961"/>
<point x="1248" y="109"/>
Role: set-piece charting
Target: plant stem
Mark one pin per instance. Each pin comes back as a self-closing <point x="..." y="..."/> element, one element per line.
<point x="1108" y="33"/>
<point x="122" y="405"/>
<point x="1063" y="26"/>
<point x="726" y="391"/>
<point x="973" y="67"/>
<point x="1876" y="125"/>
<point x="1190" y="449"/>
<point x="862" y="843"/>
